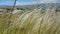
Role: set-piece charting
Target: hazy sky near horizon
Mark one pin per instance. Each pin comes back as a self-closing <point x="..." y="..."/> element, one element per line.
<point x="26" y="2"/>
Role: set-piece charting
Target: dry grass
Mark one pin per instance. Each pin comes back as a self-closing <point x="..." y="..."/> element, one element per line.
<point x="32" y="23"/>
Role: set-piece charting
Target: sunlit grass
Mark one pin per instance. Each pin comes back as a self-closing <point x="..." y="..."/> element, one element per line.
<point x="31" y="23"/>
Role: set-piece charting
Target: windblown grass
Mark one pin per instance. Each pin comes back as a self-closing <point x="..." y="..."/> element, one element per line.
<point x="33" y="23"/>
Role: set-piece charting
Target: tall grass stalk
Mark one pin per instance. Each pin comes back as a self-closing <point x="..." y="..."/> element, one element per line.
<point x="34" y="23"/>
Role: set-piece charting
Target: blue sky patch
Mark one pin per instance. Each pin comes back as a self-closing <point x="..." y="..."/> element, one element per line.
<point x="26" y="2"/>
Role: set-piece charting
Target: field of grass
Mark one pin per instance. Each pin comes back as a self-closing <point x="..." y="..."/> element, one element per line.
<point x="30" y="23"/>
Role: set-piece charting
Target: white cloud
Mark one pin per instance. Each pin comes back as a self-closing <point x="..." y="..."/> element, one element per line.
<point x="51" y="1"/>
<point x="7" y="2"/>
<point x="25" y="3"/>
<point x="39" y="1"/>
<point x="48" y="1"/>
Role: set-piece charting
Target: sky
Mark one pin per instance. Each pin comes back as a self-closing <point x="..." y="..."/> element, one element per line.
<point x="26" y="2"/>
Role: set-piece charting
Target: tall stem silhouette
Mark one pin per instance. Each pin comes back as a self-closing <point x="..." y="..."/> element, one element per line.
<point x="10" y="15"/>
<point x="14" y="5"/>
